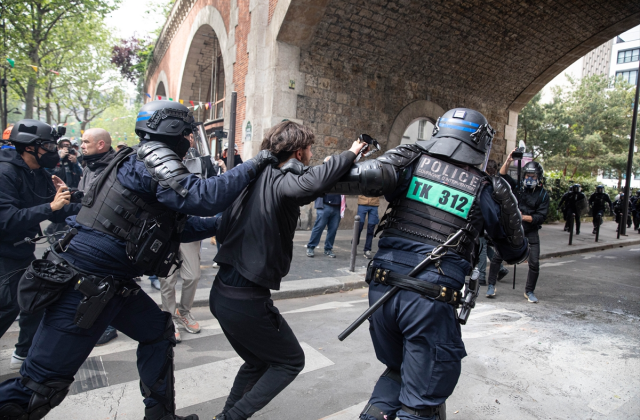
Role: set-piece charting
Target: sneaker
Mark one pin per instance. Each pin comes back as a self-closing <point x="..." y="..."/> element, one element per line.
<point x="531" y="297"/>
<point x="155" y="282"/>
<point x="109" y="334"/>
<point x="215" y="265"/>
<point x="16" y="361"/>
<point x="502" y="273"/>
<point x="491" y="291"/>
<point x="329" y="253"/>
<point x="367" y="255"/>
<point x="188" y="322"/>
<point x="310" y="252"/>
<point x="178" y="338"/>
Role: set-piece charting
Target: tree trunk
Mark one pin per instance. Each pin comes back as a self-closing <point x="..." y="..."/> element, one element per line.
<point x="31" y="84"/>
<point x="619" y="180"/>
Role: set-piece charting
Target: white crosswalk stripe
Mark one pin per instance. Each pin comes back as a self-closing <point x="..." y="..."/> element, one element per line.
<point x="350" y="413"/>
<point x="194" y="385"/>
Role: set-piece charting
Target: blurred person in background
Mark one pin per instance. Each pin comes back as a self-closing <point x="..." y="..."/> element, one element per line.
<point x="368" y="207"/>
<point x="5" y="144"/>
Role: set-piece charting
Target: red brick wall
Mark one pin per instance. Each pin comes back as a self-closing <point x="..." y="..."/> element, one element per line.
<point x="241" y="67"/>
<point x="272" y="8"/>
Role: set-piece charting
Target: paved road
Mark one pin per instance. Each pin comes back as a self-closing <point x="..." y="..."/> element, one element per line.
<point x="575" y="355"/>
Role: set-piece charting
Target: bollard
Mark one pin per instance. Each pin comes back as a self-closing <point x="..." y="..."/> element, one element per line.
<point x="514" y="276"/>
<point x="354" y="243"/>
<point x="571" y="220"/>
<point x="598" y="223"/>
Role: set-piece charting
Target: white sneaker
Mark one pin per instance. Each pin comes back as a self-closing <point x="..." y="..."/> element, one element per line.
<point x="214" y="265"/>
<point x="178" y="338"/>
<point x="16" y="361"/>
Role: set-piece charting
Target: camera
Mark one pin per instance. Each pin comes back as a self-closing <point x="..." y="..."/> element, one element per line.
<point x="518" y="153"/>
<point x="72" y="151"/>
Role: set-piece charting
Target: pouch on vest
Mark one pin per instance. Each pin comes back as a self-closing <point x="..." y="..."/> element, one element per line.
<point x="42" y="284"/>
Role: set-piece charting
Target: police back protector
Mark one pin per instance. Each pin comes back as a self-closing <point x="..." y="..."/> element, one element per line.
<point x="442" y="198"/>
<point x="150" y="230"/>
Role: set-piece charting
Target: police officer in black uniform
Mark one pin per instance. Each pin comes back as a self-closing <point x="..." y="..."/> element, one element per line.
<point x="435" y="189"/>
<point x="634" y="203"/>
<point x="598" y="202"/>
<point x="618" y="207"/>
<point x="131" y="223"/>
<point x="28" y="197"/>
<point x="571" y="201"/>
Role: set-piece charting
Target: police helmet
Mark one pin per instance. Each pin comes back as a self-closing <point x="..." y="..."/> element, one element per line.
<point x="461" y="134"/>
<point x="638" y="193"/>
<point x="158" y="120"/>
<point x="575" y="188"/>
<point x="27" y="132"/>
<point x="600" y="189"/>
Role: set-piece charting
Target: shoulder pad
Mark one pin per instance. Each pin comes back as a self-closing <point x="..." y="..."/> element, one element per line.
<point x="294" y="166"/>
<point x="401" y="156"/>
<point x="164" y="165"/>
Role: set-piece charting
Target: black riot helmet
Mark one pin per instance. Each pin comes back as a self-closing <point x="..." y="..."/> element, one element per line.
<point x="638" y="193"/>
<point x="164" y="120"/>
<point x="40" y="134"/>
<point x="532" y="168"/>
<point x="600" y="188"/>
<point x="575" y="188"/>
<point x="463" y="135"/>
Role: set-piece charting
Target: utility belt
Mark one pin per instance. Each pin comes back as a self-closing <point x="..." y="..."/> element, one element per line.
<point x="422" y="287"/>
<point x="45" y="280"/>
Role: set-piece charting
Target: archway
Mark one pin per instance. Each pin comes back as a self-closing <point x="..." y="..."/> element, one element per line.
<point x="416" y="121"/>
<point x="160" y="91"/>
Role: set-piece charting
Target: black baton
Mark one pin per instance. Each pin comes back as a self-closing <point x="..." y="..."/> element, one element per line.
<point x="433" y="255"/>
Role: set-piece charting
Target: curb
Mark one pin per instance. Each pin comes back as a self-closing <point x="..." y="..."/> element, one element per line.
<point x="326" y="285"/>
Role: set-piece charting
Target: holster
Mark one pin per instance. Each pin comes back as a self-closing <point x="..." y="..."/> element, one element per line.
<point x="97" y="294"/>
<point x="422" y="287"/>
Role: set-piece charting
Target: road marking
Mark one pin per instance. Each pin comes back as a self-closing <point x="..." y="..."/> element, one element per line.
<point x="347" y="414"/>
<point x="90" y="376"/>
<point x="634" y="249"/>
<point x="209" y="327"/>
<point x="484" y="329"/>
<point x="555" y="264"/>
<point x="327" y="306"/>
<point x="194" y="385"/>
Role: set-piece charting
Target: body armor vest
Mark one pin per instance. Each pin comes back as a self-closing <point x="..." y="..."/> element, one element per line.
<point x="599" y="201"/>
<point x="442" y="198"/>
<point x="150" y="230"/>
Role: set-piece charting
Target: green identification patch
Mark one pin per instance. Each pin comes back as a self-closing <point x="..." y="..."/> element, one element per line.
<point x="440" y="196"/>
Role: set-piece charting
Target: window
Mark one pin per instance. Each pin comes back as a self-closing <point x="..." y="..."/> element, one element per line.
<point x="420" y="129"/>
<point x="628" y="56"/>
<point x="630" y="76"/>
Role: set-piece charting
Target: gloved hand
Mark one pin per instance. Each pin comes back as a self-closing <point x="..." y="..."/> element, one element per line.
<point x="263" y="159"/>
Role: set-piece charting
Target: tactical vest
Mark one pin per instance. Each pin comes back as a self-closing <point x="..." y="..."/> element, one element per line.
<point x="442" y="198"/>
<point x="599" y="201"/>
<point x="150" y="230"/>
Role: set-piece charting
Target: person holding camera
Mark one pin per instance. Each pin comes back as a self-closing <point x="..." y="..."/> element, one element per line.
<point x="533" y="203"/>
<point x="68" y="169"/>
<point x="29" y="195"/>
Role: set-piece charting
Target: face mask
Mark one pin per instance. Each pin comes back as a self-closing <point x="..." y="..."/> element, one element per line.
<point x="530" y="182"/>
<point x="49" y="160"/>
<point x="182" y="147"/>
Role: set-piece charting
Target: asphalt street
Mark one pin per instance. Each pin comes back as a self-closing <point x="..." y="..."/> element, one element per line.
<point x="575" y="355"/>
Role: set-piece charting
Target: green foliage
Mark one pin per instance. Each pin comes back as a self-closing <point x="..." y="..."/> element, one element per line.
<point x="584" y="130"/>
<point x="119" y="121"/>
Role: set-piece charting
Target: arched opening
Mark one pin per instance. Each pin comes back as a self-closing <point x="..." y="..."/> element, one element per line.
<point x="161" y="91"/>
<point x="203" y="79"/>
<point x="419" y="129"/>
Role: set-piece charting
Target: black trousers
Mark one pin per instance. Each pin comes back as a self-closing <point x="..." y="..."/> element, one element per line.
<point x="263" y="339"/>
<point x="10" y="273"/>
<point x="534" y="263"/>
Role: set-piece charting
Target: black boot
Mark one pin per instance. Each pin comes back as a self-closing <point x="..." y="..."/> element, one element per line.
<point x="13" y="411"/>
<point x="158" y="412"/>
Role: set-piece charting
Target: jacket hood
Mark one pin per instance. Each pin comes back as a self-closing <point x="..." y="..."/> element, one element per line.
<point x="11" y="156"/>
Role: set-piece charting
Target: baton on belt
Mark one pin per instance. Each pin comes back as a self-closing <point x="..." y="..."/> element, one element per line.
<point x="434" y="255"/>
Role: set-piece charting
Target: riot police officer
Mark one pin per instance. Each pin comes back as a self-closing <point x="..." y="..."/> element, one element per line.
<point x="435" y="190"/>
<point x="598" y="202"/>
<point x="28" y="197"/>
<point x="131" y="222"/>
<point x="573" y="202"/>
<point x="618" y="207"/>
<point x="634" y="203"/>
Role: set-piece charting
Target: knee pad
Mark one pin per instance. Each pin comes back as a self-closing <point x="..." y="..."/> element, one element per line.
<point x="45" y="397"/>
<point x="167" y="401"/>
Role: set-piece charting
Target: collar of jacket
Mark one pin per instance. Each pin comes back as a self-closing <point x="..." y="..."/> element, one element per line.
<point x="99" y="159"/>
<point x="294" y="166"/>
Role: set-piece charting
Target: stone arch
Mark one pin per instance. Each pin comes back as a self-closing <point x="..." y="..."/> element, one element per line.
<point x="211" y="19"/>
<point x="162" y="86"/>
<point x="409" y="114"/>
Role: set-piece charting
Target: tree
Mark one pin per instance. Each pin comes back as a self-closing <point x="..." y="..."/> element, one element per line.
<point x="31" y="32"/>
<point x="129" y="56"/>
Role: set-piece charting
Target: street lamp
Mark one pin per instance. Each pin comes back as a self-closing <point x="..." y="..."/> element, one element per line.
<point x="14" y="111"/>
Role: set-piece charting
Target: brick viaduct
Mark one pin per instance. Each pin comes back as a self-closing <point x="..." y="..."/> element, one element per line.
<point x="344" y="67"/>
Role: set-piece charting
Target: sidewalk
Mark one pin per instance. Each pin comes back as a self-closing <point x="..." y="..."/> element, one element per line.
<point x="321" y="275"/>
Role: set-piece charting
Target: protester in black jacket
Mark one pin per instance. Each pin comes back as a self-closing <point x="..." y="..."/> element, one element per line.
<point x="68" y="169"/>
<point x="27" y="197"/>
<point x="533" y="203"/>
<point x="256" y="234"/>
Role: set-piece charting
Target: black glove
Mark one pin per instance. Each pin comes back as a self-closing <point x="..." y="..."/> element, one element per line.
<point x="263" y="159"/>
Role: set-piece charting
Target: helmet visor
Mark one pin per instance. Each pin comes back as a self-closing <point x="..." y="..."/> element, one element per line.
<point x="49" y="146"/>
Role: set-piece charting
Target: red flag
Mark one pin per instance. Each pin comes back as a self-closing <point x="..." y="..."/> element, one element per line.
<point x="159" y="97"/>
<point x="191" y="102"/>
